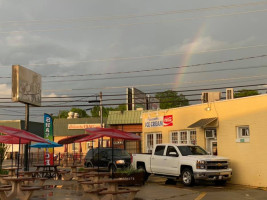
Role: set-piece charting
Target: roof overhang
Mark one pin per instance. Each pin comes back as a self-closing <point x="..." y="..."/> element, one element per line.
<point x="203" y="122"/>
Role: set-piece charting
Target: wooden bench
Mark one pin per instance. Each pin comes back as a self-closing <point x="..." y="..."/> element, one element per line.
<point x="40" y="182"/>
<point x="29" y="190"/>
<point x="66" y="175"/>
<point x="131" y="196"/>
<point x="3" y="189"/>
<point x="93" y="194"/>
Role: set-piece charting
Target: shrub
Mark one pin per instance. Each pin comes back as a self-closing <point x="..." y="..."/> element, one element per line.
<point x="129" y="171"/>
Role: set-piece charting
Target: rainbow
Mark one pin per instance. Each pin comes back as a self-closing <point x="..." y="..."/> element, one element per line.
<point x="188" y="55"/>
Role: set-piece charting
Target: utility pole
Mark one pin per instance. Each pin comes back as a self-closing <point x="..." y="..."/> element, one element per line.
<point x="101" y="109"/>
<point x="101" y="115"/>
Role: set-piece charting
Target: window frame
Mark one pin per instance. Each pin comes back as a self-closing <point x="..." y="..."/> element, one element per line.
<point x="156" y="137"/>
<point x="179" y="137"/>
<point x="163" y="152"/>
<point x="242" y="138"/>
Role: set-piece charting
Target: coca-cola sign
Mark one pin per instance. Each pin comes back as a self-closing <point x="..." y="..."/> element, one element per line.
<point x="161" y="121"/>
<point x="168" y="120"/>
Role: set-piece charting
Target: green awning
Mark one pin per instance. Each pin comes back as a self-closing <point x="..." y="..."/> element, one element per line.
<point x="203" y="122"/>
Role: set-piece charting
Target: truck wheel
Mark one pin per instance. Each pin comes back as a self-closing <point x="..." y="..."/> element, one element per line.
<point x="188" y="177"/>
<point x="146" y="175"/>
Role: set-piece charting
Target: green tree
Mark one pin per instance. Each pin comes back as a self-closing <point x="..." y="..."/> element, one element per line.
<point x="245" y="93"/>
<point x="3" y="152"/>
<point x="170" y="99"/>
<point x="82" y="113"/>
<point x="95" y="111"/>
<point x="64" y="113"/>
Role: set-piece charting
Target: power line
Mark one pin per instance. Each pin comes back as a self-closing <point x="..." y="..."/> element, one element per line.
<point x="160" y="13"/>
<point x="158" y="84"/>
<point x="178" y="91"/>
<point x="133" y="24"/>
<point x="161" y="75"/>
<point x="158" y="69"/>
<point x="152" y="56"/>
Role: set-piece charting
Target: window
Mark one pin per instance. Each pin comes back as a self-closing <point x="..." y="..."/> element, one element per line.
<point x="243" y="134"/>
<point x="151" y="140"/>
<point x="192" y="150"/>
<point x="158" y="138"/>
<point x="193" y="137"/>
<point x="174" y="137"/>
<point x="171" y="149"/>
<point x="149" y="143"/>
<point x="159" y="151"/>
<point x="184" y="137"/>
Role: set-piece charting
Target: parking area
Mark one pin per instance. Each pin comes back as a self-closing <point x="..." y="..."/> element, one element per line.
<point x="157" y="189"/>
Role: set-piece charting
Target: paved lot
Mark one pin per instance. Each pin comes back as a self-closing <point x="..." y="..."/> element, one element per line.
<point x="156" y="189"/>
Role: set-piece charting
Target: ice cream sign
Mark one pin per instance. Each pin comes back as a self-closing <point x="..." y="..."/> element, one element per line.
<point x="161" y="121"/>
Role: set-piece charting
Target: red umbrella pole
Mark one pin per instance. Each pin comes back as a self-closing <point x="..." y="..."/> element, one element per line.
<point x="12" y="156"/>
<point x="18" y="159"/>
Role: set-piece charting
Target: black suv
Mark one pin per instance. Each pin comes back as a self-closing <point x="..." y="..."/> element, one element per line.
<point x="121" y="158"/>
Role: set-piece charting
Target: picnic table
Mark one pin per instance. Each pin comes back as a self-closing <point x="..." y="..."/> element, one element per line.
<point x="110" y="190"/>
<point x="11" y="170"/>
<point x="92" y="180"/>
<point x="47" y="171"/>
<point x="17" y="190"/>
<point x="29" y="173"/>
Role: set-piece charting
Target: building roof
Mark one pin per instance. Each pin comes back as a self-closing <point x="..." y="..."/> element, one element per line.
<point x="203" y="122"/>
<point x="61" y="125"/>
<point x="125" y="117"/>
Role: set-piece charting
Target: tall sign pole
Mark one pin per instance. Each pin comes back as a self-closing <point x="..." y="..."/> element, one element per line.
<point x="48" y="134"/>
<point x="26" y="88"/>
<point x="101" y="115"/>
<point x="26" y="149"/>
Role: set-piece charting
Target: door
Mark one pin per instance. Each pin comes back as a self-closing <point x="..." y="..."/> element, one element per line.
<point x="172" y="158"/>
<point x="211" y="140"/>
<point x="214" y="148"/>
<point x="158" y="160"/>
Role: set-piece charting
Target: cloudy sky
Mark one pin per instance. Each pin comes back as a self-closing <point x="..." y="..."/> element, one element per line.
<point x="83" y="47"/>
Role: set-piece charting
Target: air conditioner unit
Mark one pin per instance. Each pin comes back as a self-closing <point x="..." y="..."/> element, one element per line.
<point x="210" y="133"/>
<point x="210" y="96"/>
<point x="229" y="93"/>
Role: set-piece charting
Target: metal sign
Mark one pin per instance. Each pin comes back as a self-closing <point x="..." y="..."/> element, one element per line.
<point x="48" y="134"/>
<point x="26" y="86"/>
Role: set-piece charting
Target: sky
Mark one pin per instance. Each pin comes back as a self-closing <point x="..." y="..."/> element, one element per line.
<point x="83" y="47"/>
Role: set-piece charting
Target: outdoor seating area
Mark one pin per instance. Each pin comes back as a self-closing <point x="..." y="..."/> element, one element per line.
<point x="96" y="182"/>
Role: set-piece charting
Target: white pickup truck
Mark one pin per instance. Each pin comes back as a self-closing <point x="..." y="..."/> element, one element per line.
<point x="188" y="162"/>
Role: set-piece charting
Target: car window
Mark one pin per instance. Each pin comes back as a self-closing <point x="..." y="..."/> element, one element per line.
<point x="171" y="149"/>
<point x="118" y="152"/>
<point x="159" y="151"/>
<point x="103" y="154"/>
<point x="192" y="150"/>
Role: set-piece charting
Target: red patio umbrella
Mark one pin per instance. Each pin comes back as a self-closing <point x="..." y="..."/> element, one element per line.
<point x="72" y="139"/>
<point x="21" y="134"/>
<point x="108" y="132"/>
<point x="7" y="139"/>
